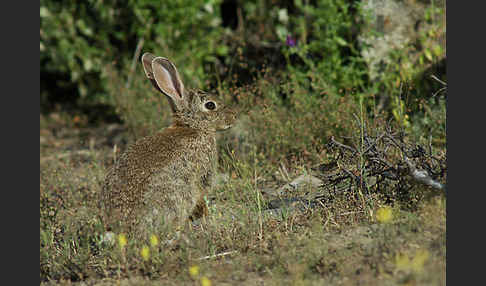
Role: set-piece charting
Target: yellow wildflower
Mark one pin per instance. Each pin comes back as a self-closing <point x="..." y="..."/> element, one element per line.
<point x="384" y="214"/>
<point x="145" y="252"/>
<point x="154" y="240"/>
<point x="122" y="240"/>
<point x="419" y="260"/>
<point x="194" y="271"/>
<point x="402" y="262"/>
<point x="416" y="264"/>
<point x="205" y="281"/>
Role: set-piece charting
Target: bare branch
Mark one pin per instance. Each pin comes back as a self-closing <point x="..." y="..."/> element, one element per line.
<point x="422" y="176"/>
<point x="218" y="255"/>
<point x="343" y="146"/>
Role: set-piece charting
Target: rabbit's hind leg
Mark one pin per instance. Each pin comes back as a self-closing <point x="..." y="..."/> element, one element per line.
<point x="200" y="210"/>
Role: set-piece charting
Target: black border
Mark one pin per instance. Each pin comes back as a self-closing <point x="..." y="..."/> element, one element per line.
<point x="20" y="22"/>
<point x="465" y="125"/>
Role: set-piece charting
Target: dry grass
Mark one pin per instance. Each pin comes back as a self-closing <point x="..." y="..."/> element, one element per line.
<point x="337" y="244"/>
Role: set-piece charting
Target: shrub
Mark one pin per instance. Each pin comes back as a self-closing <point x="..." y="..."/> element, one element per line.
<point x="77" y="41"/>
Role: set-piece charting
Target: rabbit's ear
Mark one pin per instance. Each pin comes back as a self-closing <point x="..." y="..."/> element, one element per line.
<point x="168" y="79"/>
<point x="147" y="59"/>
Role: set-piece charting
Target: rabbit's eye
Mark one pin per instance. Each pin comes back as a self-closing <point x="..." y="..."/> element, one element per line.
<point x="210" y="105"/>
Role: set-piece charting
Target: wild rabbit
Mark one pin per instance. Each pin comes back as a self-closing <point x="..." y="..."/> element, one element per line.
<point x="163" y="178"/>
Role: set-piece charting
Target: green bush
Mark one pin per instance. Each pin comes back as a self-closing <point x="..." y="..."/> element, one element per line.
<point x="79" y="39"/>
<point x="91" y="51"/>
<point x="326" y="45"/>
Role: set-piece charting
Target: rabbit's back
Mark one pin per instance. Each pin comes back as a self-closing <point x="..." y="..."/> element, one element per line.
<point x="160" y="177"/>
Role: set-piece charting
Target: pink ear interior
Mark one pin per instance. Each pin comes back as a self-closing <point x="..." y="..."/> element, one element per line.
<point x="167" y="77"/>
<point x="168" y="80"/>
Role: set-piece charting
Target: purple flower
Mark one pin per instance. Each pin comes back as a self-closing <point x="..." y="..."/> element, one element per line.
<point x="291" y="42"/>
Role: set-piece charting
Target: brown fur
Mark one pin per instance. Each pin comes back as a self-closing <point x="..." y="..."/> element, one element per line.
<point x="164" y="177"/>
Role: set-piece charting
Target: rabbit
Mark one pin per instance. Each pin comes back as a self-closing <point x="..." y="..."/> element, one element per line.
<point x="163" y="178"/>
